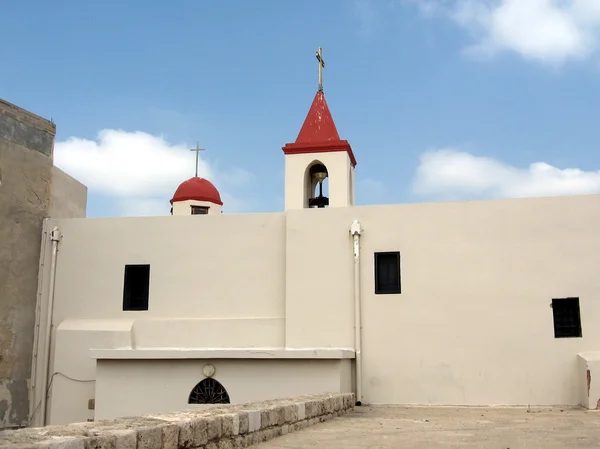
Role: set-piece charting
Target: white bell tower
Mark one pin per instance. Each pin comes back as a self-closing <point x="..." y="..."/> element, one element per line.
<point x="316" y="156"/>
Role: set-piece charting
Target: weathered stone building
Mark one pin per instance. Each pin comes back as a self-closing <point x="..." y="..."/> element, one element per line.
<point x="31" y="189"/>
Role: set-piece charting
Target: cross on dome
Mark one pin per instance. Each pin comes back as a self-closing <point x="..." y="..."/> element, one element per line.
<point x="197" y="150"/>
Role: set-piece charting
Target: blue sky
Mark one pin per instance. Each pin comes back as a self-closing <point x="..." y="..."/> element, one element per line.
<point x="440" y="99"/>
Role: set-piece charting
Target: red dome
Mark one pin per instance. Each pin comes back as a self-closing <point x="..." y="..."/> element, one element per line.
<point x="198" y="189"/>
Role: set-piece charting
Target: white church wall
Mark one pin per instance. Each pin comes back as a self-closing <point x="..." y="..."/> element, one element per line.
<point x="319" y="280"/>
<point x="215" y="281"/>
<point x="212" y="267"/>
<point x="473" y="324"/>
<point x="73" y="371"/>
<point x="136" y="387"/>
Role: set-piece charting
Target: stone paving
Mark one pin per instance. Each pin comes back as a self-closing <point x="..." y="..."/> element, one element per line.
<point x="450" y="427"/>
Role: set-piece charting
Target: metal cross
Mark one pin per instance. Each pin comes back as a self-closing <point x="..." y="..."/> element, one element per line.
<point x="197" y="150"/>
<point x="321" y="65"/>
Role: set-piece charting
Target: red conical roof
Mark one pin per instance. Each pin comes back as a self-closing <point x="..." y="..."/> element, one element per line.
<point x="198" y="189"/>
<point x="318" y="125"/>
<point x="318" y="133"/>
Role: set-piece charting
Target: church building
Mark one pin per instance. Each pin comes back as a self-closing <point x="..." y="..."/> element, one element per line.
<point x="454" y="303"/>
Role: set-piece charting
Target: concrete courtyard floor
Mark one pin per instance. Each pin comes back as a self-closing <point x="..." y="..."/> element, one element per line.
<point x="450" y="427"/>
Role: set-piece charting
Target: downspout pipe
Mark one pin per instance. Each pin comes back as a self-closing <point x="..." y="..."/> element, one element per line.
<point x="54" y="238"/>
<point x="36" y="339"/>
<point x="356" y="231"/>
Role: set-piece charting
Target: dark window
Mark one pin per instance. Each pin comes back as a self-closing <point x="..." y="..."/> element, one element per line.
<point x="199" y="210"/>
<point x="136" y="287"/>
<point x="209" y="391"/>
<point x="387" y="273"/>
<point x="567" y="319"/>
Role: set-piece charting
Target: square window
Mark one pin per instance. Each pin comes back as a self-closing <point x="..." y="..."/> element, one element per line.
<point x="387" y="273"/>
<point x="136" y="287"/>
<point x="567" y="318"/>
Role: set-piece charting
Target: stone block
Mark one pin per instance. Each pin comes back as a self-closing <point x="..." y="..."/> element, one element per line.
<point x="300" y="425"/>
<point x="301" y="411"/>
<point x="285" y="429"/>
<point x="199" y="431"/>
<point x="290" y="414"/>
<point x="243" y="419"/>
<point x="125" y="439"/>
<point x="238" y="442"/>
<point x="186" y="434"/>
<point x="248" y="439"/>
<point x="225" y="443"/>
<point x="236" y="424"/>
<point x="338" y="403"/>
<point x="100" y="441"/>
<point x="254" y="420"/>
<point x="269" y="417"/>
<point x="328" y="405"/>
<point x="170" y="436"/>
<point x="267" y="434"/>
<point x="214" y="427"/>
<point x="227" y="426"/>
<point x="212" y="445"/>
<point x="62" y="443"/>
<point x="309" y="407"/>
<point x="149" y="438"/>
<point x="280" y="415"/>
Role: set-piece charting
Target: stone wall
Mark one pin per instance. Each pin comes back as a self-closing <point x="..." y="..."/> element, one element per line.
<point x="211" y="428"/>
<point x="26" y="146"/>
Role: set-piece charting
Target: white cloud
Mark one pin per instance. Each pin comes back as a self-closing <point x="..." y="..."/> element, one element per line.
<point x="452" y="174"/>
<point x="140" y="171"/>
<point x="549" y="31"/>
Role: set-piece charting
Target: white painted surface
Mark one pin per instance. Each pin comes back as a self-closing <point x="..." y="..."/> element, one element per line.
<point x="473" y="325"/>
<point x="135" y="387"/>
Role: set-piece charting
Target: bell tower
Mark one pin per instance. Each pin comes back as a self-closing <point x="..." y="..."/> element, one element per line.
<point x="319" y="155"/>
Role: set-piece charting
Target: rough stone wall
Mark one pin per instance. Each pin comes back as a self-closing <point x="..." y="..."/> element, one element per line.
<point x="26" y="145"/>
<point x="222" y="427"/>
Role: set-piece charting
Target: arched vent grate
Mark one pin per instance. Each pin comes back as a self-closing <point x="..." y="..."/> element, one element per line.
<point x="209" y="391"/>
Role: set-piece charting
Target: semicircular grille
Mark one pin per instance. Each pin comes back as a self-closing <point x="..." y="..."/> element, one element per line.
<point x="209" y="391"/>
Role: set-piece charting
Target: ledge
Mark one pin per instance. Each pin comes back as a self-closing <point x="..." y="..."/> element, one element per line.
<point x="225" y="353"/>
<point x="222" y="427"/>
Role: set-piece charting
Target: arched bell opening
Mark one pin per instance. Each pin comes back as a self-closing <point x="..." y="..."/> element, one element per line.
<point x="316" y="185"/>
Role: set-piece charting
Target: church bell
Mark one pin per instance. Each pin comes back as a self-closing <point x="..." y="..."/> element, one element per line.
<point x="318" y="173"/>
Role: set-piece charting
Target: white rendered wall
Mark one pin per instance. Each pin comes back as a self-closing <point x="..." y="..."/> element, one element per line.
<point x="136" y="387"/>
<point x="218" y="281"/>
<point x="473" y="325"/>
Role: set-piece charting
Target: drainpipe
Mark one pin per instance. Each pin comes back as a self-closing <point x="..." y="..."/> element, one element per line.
<point x="356" y="230"/>
<point x="54" y="238"/>
<point x="38" y="306"/>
